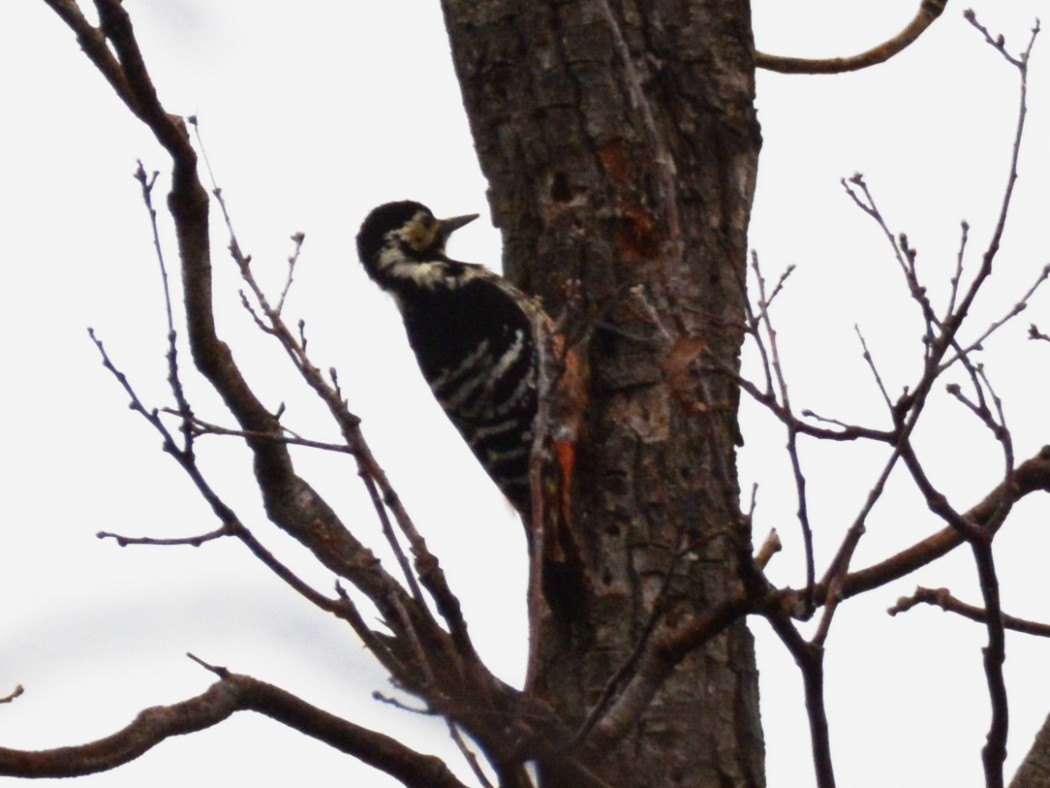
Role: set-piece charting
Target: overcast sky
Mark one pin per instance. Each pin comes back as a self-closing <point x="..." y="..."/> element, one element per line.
<point x="310" y="118"/>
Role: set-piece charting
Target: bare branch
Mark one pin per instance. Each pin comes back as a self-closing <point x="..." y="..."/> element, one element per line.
<point x="928" y="12"/>
<point x="287" y="436"/>
<point x="297" y="239"/>
<point x="809" y="656"/>
<point x="942" y="598"/>
<point x="771" y="545"/>
<point x="232" y="693"/>
<point x="1021" y="63"/>
<point x="468" y="754"/>
<point x="1030" y="476"/>
<point x="844" y="432"/>
<point x="289" y="500"/>
<point x="232" y="526"/>
<point x="993" y="754"/>
<point x="785" y="403"/>
<point x="998" y="43"/>
<point x="866" y="355"/>
<point x="959" y="258"/>
<point x="192" y="541"/>
<point x="1015" y="310"/>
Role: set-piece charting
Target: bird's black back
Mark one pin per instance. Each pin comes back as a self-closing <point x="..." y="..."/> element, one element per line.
<point x="475" y="347"/>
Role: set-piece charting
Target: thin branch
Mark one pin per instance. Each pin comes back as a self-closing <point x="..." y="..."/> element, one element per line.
<point x="382" y="493"/>
<point x="959" y="259"/>
<point x="998" y="43"/>
<point x="1021" y="63"/>
<point x="785" y="402"/>
<point x="93" y="42"/>
<point x="771" y="545"/>
<point x="835" y="578"/>
<point x="232" y="526"/>
<point x="1014" y="311"/>
<point x="870" y="361"/>
<point x="844" y="432"/>
<point x="286" y="436"/>
<point x="289" y="500"/>
<point x="297" y="239"/>
<point x="183" y="409"/>
<point x="993" y="754"/>
<point x="184" y="457"/>
<point x="857" y="189"/>
<point x="468" y="754"/>
<point x="232" y="693"/>
<point x="1033" y="475"/>
<point x="192" y="541"/>
<point x="809" y="657"/>
<point x="942" y="598"/>
<point x="928" y="12"/>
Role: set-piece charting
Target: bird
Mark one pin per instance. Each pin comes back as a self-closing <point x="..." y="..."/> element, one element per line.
<point x="491" y="356"/>
<point x="473" y="333"/>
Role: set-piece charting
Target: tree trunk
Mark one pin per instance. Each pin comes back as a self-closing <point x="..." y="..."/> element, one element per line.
<point x="620" y="143"/>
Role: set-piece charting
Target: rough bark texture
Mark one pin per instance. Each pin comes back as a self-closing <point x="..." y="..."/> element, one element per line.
<point x="1034" y="771"/>
<point x="620" y="143"/>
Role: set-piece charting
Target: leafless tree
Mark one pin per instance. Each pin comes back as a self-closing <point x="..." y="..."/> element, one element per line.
<point x="620" y="143"/>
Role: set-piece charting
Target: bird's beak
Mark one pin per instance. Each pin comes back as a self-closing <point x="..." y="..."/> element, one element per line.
<point x="449" y="226"/>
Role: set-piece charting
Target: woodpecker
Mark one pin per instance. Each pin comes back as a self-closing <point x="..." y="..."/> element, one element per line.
<point x="473" y="333"/>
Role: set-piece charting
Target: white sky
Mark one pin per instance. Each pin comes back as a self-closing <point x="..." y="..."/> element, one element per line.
<point x="311" y="118"/>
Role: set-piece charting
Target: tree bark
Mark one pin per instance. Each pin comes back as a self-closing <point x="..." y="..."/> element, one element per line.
<point x="620" y="143"/>
<point x="1034" y="771"/>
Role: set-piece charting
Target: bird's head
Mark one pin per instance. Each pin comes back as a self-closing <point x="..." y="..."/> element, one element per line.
<point x="404" y="233"/>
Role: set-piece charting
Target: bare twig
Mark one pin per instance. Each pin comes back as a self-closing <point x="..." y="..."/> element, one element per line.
<point x="468" y="754"/>
<point x="1033" y="475"/>
<point x="771" y="545"/>
<point x="928" y="12"/>
<point x="874" y="370"/>
<point x="232" y="526"/>
<point x="857" y="189"/>
<point x="380" y="491"/>
<point x="834" y="582"/>
<point x="942" y="598"/>
<point x="810" y="660"/>
<point x="1014" y="311"/>
<point x="287" y="436"/>
<point x="843" y="432"/>
<point x="994" y="752"/>
<point x="959" y="259"/>
<point x="985" y="270"/>
<point x="293" y="258"/>
<point x="998" y="43"/>
<point x="192" y="541"/>
<point x="785" y="402"/>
